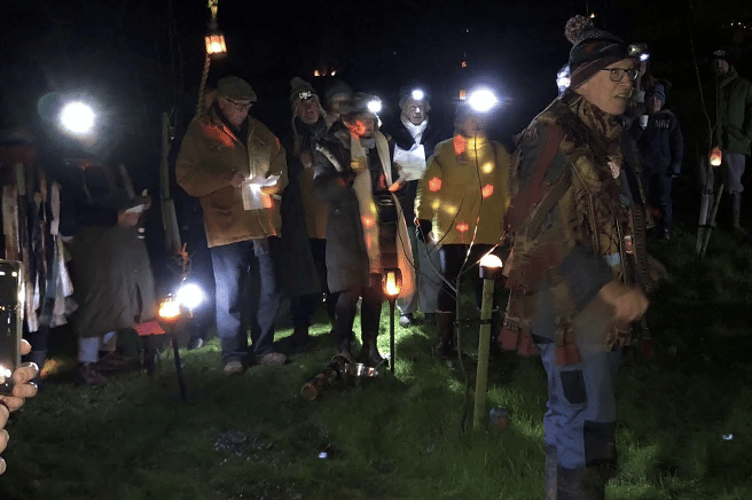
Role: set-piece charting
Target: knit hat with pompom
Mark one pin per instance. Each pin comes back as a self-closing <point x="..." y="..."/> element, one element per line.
<point x="592" y="50"/>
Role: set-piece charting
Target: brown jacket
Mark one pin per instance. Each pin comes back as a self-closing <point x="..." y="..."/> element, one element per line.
<point x="209" y="157"/>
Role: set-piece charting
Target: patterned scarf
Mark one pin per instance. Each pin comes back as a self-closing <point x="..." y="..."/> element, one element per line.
<point x="369" y="215"/>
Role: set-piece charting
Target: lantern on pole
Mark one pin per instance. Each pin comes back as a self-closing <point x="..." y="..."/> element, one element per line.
<point x="716" y="157"/>
<point x="215" y="47"/>
<point x="392" y="285"/>
<point x="214" y="39"/>
<point x="215" y="43"/>
<point x="170" y="314"/>
<point x="490" y="270"/>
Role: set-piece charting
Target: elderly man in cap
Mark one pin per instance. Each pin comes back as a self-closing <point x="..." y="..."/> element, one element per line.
<point x="414" y="138"/>
<point x="237" y="168"/>
<point x="661" y="146"/>
<point x="579" y="270"/>
<point x="732" y="127"/>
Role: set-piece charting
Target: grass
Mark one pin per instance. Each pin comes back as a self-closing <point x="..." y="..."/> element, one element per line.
<point x="402" y="436"/>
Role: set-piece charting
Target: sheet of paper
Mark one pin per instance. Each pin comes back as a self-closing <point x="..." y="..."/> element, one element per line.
<point x="253" y="198"/>
<point x="412" y="163"/>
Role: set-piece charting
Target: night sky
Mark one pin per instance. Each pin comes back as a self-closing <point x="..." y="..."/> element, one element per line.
<point x="138" y="58"/>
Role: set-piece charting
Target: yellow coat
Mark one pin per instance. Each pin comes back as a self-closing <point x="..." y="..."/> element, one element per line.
<point x="209" y="155"/>
<point x="465" y="178"/>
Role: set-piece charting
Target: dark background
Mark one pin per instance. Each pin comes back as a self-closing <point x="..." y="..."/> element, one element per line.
<point x="139" y="58"/>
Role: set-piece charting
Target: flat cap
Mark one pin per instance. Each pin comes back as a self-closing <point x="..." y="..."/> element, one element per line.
<point x="236" y="88"/>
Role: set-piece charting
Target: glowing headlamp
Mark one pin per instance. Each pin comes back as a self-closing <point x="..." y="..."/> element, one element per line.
<point x="639" y="51"/>
<point x="77" y="118"/>
<point x="418" y="95"/>
<point x="563" y="79"/>
<point x="305" y="95"/>
<point x="374" y="106"/>
<point x="190" y="296"/>
<point x="482" y="100"/>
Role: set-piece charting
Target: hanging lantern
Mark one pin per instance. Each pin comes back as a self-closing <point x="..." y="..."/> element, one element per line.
<point x="215" y="39"/>
<point x="716" y="156"/>
<point x="392" y="283"/>
<point x="215" y="43"/>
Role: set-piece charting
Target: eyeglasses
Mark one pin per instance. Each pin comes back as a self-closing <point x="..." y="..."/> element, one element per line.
<point x="617" y="74"/>
<point x="239" y="106"/>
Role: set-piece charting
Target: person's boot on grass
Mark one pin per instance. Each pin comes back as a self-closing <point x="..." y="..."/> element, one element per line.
<point x="445" y="321"/>
<point x="87" y="374"/>
<point x="369" y="353"/>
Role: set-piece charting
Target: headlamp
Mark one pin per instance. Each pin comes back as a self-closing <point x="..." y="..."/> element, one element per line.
<point x="374" y="106"/>
<point x="563" y="79"/>
<point x="190" y="296"/>
<point x="77" y="118"/>
<point x="418" y="95"/>
<point x="305" y="95"/>
<point x="482" y="100"/>
<point x="639" y="51"/>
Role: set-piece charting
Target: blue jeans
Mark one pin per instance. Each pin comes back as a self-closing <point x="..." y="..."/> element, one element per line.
<point x="427" y="280"/>
<point x="581" y="417"/>
<point x="241" y="266"/>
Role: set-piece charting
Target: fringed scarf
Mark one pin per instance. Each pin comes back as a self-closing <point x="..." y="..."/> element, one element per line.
<point x="369" y="213"/>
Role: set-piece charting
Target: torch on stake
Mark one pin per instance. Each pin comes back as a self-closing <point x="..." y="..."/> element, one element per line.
<point x="392" y="285"/>
<point x="706" y="221"/>
<point x="490" y="269"/>
<point x="711" y="223"/>
<point x="170" y="314"/>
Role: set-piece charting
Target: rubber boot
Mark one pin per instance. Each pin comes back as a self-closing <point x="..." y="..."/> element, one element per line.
<point x="736" y="210"/>
<point x="343" y="349"/>
<point x="369" y="353"/>
<point x="550" y="472"/>
<point x="445" y="321"/>
<point x="588" y="483"/>
<point x="299" y="339"/>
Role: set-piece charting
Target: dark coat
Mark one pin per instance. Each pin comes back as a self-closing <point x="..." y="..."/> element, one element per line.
<point x="346" y="254"/>
<point x="292" y="255"/>
<point x="661" y="145"/>
<point x="111" y="272"/>
<point x="733" y="113"/>
<point x="401" y="137"/>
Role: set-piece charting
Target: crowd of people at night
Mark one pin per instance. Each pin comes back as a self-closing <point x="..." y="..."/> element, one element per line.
<point x="318" y="217"/>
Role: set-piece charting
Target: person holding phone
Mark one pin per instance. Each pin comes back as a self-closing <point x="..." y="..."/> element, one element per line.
<point x="23" y="388"/>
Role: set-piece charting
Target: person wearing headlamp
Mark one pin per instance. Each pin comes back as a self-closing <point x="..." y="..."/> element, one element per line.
<point x="24" y="387"/>
<point x="366" y="231"/>
<point x="225" y="159"/>
<point x="414" y="138"/>
<point x="301" y="257"/>
<point x="460" y="199"/>
<point x="579" y="271"/>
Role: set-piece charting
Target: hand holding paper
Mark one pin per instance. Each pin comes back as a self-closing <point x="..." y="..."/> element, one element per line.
<point x="255" y="191"/>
